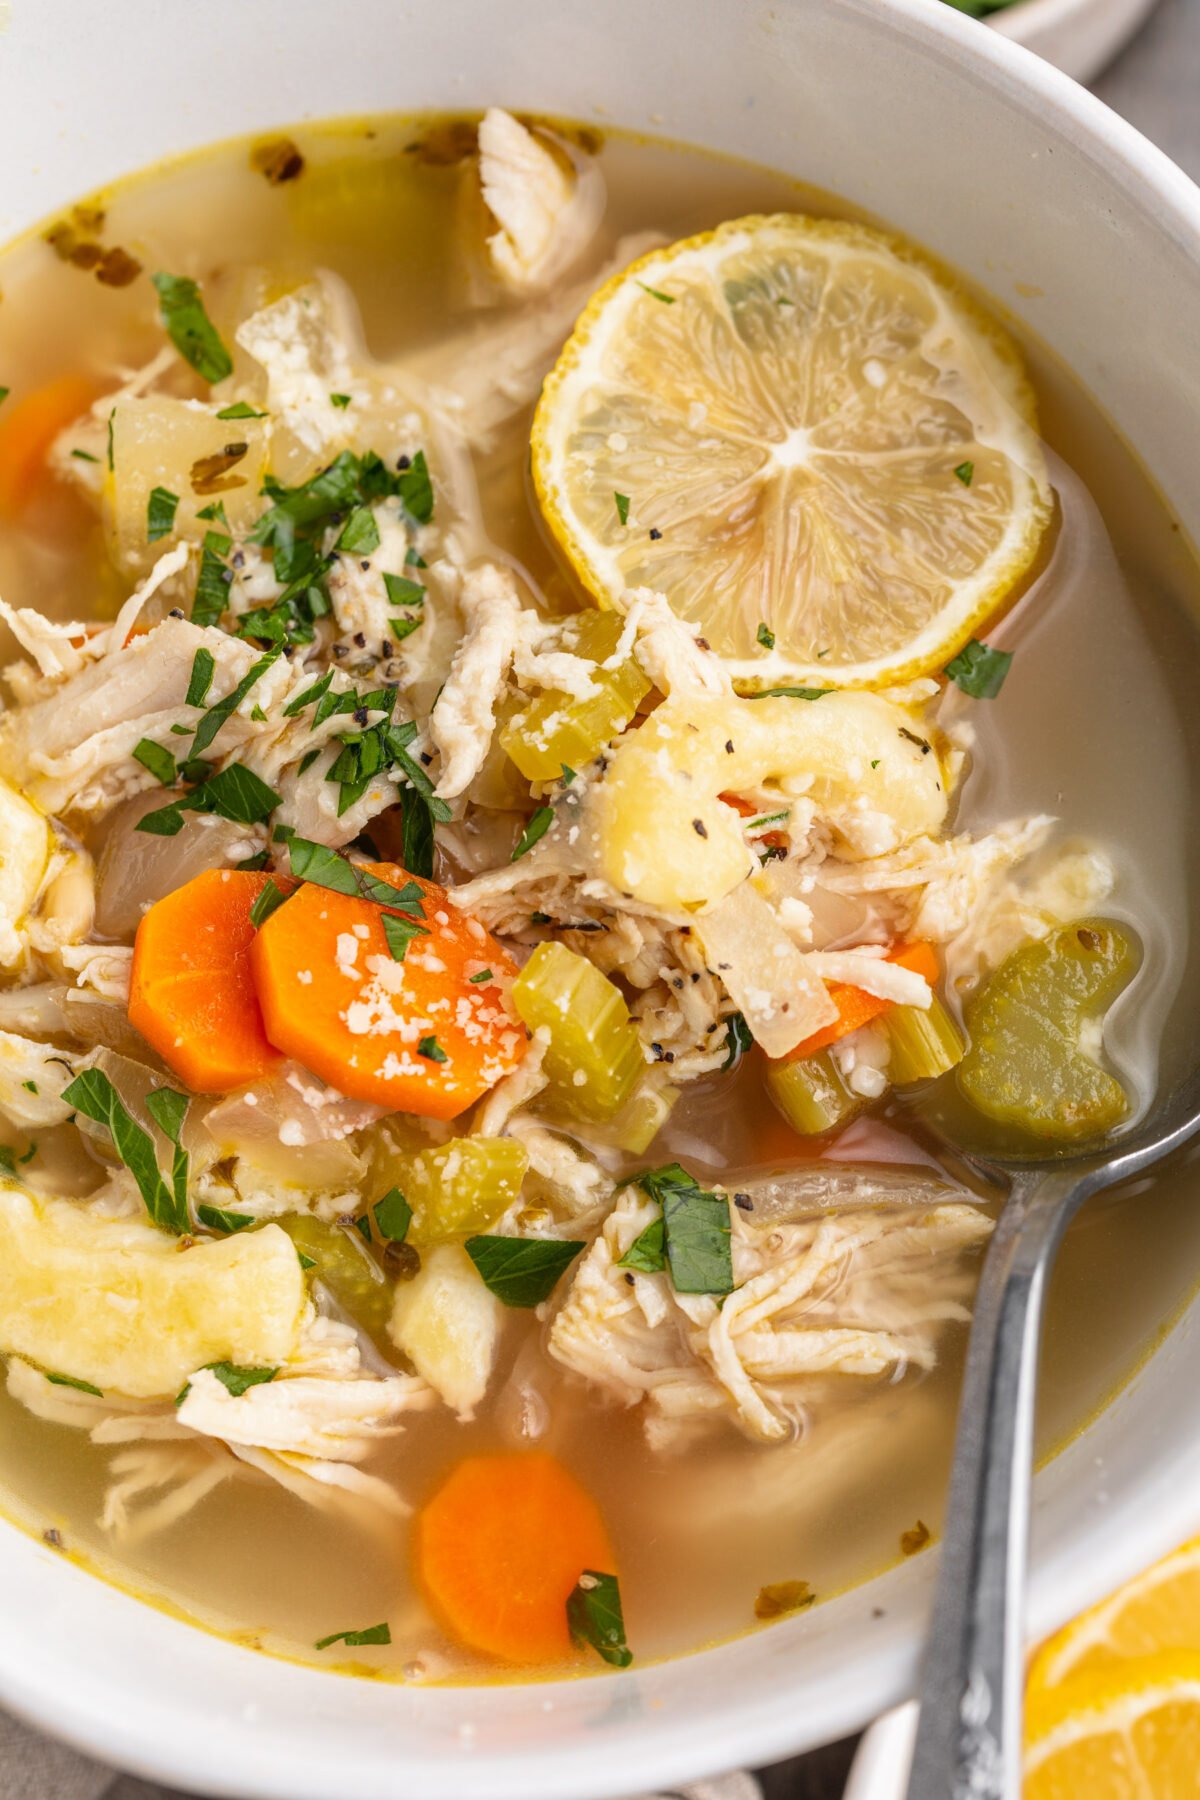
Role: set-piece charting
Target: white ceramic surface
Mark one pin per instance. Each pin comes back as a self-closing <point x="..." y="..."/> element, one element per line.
<point x="1085" y="231"/>
<point x="1081" y="37"/>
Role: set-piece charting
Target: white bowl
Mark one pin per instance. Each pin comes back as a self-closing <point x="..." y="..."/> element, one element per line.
<point x="1088" y="234"/>
<point x="1080" y="37"/>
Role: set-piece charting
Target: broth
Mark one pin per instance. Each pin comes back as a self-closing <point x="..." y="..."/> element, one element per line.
<point x="1095" y="718"/>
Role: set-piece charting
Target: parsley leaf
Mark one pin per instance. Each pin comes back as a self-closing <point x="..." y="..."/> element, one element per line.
<point x="403" y="592"/>
<point x="189" y="327"/>
<point x="416" y="490"/>
<point x="594" y="1617"/>
<point x="241" y="409"/>
<point x="212" y="583"/>
<point x="204" y="665"/>
<point x="72" y="1381"/>
<point x="327" y="869"/>
<point x="738" y="1040"/>
<point x="522" y="1271"/>
<point x="648" y="1251"/>
<point x="93" y="1094"/>
<point x="789" y="693"/>
<point x="696" y="1230"/>
<point x="622" y="504"/>
<point x="238" y="1378"/>
<point x="657" y="294"/>
<point x="360" y="534"/>
<point x="341" y="401"/>
<point x="432" y="1050"/>
<point x="536" y="829"/>
<point x="234" y="793"/>
<point x="392" y="1216"/>
<point x="157" y="759"/>
<point x="216" y="715"/>
<point x="168" y="1109"/>
<point x="217" y="1219"/>
<point x="160" y="513"/>
<point x="374" y="1634"/>
<point x="765" y="635"/>
<point x="965" y="471"/>
<point x="979" y="670"/>
<point x="400" y="934"/>
<point x="271" y="898"/>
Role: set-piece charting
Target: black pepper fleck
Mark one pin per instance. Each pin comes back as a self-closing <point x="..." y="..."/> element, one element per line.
<point x="744" y="1201"/>
<point x="700" y="828"/>
<point x="655" y="534"/>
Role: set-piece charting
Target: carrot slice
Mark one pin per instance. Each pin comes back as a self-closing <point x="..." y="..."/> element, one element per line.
<point x="28" y="427"/>
<point x="416" y="1035"/>
<point x="499" y="1549"/>
<point x="856" y="1007"/>
<point x="191" y="994"/>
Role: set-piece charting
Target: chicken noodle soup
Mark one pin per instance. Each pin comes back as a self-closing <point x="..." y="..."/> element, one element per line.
<point x="496" y="968"/>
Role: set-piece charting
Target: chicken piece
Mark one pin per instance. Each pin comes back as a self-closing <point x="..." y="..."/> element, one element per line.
<point x="333" y="1419"/>
<point x="862" y="1292"/>
<point x="74" y="749"/>
<point x="546" y="213"/>
<point x="305" y="360"/>
<point x="671" y="650"/>
<point x="463" y="719"/>
<point x="32" y="1077"/>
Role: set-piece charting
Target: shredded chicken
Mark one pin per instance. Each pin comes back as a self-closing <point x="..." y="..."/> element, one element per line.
<point x="462" y="722"/>
<point x="671" y="650"/>
<point x="546" y="212"/>
<point x="859" y="1292"/>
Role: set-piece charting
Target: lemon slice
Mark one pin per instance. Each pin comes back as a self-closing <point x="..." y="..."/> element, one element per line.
<point x="803" y="435"/>
<point x="1130" y="1734"/>
<point x="1158" y="1611"/>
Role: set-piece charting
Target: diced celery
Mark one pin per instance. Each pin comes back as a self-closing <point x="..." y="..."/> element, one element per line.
<point x="558" y="728"/>
<point x="341" y="1260"/>
<point x="636" y="1125"/>
<point x="811" y="1094"/>
<point x="157" y="441"/>
<point x="925" y="1043"/>
<point x="462" y="1187"/>
<point x="594" y="1057"/>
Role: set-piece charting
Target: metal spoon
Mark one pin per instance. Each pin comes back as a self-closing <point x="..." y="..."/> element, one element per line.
<point x="968" y="1744"/>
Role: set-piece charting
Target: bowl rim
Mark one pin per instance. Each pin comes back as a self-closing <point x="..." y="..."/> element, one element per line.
<point x="160" y="1740"/>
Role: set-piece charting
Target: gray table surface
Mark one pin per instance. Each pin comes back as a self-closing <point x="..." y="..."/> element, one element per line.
<point x="1156" y="85"/>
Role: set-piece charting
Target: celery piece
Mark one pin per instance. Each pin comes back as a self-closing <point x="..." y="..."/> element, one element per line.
<point x="462" y="1187"/>
<point x="1029" y="1063"/>
<point x="811" y="1094"/>
<point x="560" y="729"/>
<point x="342" y="1262"/>
<point x="925" y="1043"/>
<point x="594" y="1057"/>
<point x="635" y="1125"/>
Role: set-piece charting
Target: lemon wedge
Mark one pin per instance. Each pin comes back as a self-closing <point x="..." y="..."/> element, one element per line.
<point x="1132" y="1733"/>
<point x="1159" y="1610"/>
<point x="808" y="438"/>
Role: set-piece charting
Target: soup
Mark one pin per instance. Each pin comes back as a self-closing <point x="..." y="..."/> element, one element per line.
<point x="482" y="1070"/>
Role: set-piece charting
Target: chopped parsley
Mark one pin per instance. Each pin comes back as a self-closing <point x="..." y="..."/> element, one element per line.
<point x="158" y="759"/>
<point x="213" y="582"/>
<point x="217" y="1219"/>
<point x="168" y="1109"/>
<point x="648" y="1251"/>
<point x="85" y="456"/>
<point x="72" y="1381"/>
<point x="403" y="592"/>
<point x="341" y="401"/>
<point x="233" y="793"/>
<point x="789" y="693"/>
<point x="353" y="1640"/>
<point x="965" y="471"/>
<point x="392" y="1216"/>
<point x="431" y="1050"/>
<point x="360" y="534"/>
<point x="238" y="1378"/>
<point x="4" y="393"/>
<point x="93" y="1095"/>
<point x="241" y="409"/>
<point x="270" y="899"/>
<point x="534" y="831"/>
<point x="657" y="294"/>
<point x="622" y="504"/>
<point x="765" y="635"/>
<point x="326" y="868"/>
<point x="204" y="665"/>
<point x="522" y="1272"/>
<point x="8" y="1161"/>
<point x="217" y="715"/>
<point x="189" y="327"/>
<point x="696" y="1231"/>
<point x="483" y="975"/>
<point x="979" y="670"/>
<point x="738" y="1040"/>
<point x="594" y="1617"/>
<point x="400" y="933"/>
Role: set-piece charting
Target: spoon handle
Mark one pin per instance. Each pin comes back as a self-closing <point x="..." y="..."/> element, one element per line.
<point x="968" y="1743"/>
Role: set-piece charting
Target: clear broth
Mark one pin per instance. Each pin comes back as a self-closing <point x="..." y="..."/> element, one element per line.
<point x="1097" y="724"/>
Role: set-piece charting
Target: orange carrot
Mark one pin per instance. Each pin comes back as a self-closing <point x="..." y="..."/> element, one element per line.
<point x="28" y="427"/>
<point x="416" y="1035"/>
<point x="191" y="994"/>
<point x="499" y="1549"/>
<point x="856" y="1007"/>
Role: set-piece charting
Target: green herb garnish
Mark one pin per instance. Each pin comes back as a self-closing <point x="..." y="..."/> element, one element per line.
<point x="400" y="934"/>
<point x="965" y="471"/>
<point x="374" y="1634"/>
<point x="696" y="1227"/>
<point x="522" y="1271"/>
<point x="204" y="666"/>
<point x="979" y="670"/>
<point x="241" y="409"/>
<point x="93" y="1094"/>
<point x="189" y="327"/>
<point x="360" y="534"/>
<point x="432" y="1050"/>
<point x="217" y="1219"/>
<point x="271" y="898"/>
<point x="622" y="503"/>
<point x="157" y="759"/>
<point x="738" y="1039"/>
<point x="72" y="1381"/>
<point x="594" y="1617"/>
<point x="765" y="635"/>
<point x="213" y="582"/>
<point x="237" y="1378"/>
<point x="536" y="829"/>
